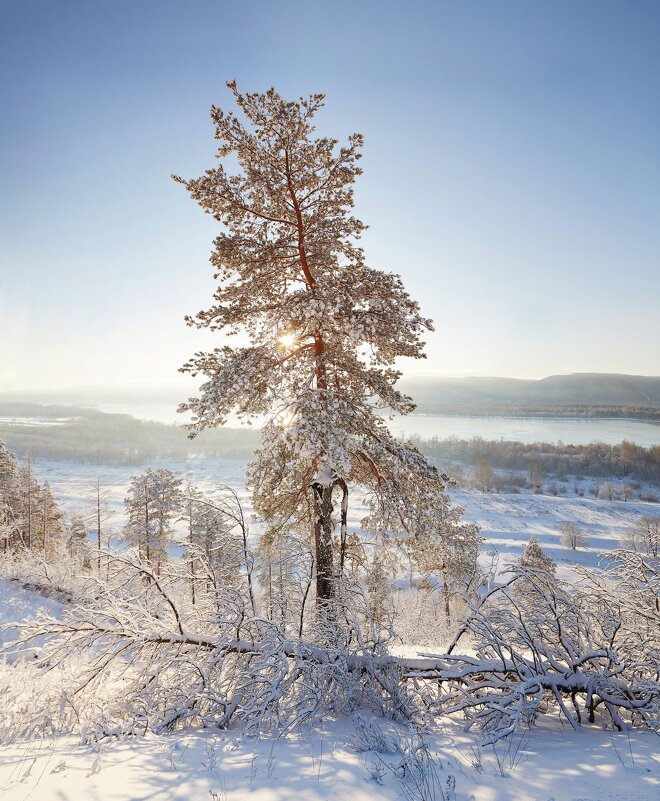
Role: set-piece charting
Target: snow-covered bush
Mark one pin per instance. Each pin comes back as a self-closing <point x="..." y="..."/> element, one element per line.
<point x="552" y="648"/>
<point x="368" y="735"/>
<point x="172" y="663"/>
<point x="643" y="536"/>
<point x="420" y="615"/>
<point x="58" y="574"/>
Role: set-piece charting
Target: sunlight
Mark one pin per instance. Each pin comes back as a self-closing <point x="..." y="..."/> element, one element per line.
<point x="286" y="418"/>
<point x="287" y="339"/>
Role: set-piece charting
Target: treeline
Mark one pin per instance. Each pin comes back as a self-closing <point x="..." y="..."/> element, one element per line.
<point x="517" y="410"/>
<point x="30" y="519"/>
<point x="89" y="436"/>
<point x="597" y="459"/>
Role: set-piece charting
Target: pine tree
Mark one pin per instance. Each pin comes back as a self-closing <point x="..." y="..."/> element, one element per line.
<point x="77" y="544"/>
<point x="535" y="557"/>
<point x="324" y="332"/>
<point x="29" y="489"/>
<point x="378" y="591"/>
<point x="49" y="520"/>
<point x="166" y="500"/>
<point x="153" y="504"/>
<point x="11" y="522"/>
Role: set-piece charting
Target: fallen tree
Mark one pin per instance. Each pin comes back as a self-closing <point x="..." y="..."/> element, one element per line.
<point x="542" y="646"/>
<point x="161" y="662"/>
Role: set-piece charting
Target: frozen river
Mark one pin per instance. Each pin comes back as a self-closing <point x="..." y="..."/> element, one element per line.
<point x="569" y="430"/>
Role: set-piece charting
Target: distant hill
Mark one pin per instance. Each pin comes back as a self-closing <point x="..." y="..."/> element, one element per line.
<point x="579" y="389"/>
<point x="580" y="394"/>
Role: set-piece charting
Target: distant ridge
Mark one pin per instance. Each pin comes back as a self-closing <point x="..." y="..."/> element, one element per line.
<point x="434" y="392"/>
<point x="578" y="389"/>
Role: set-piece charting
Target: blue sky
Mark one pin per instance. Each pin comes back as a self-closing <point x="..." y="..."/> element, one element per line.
<point x="512" y="174"/>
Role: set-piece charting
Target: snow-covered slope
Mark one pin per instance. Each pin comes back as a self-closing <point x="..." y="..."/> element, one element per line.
<point x="507" y="520"/>
<point x="333" y="760"/>
<point x="18" y="604"/>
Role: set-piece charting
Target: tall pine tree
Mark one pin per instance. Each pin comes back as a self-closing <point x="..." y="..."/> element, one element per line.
<point x="324" y="332"/>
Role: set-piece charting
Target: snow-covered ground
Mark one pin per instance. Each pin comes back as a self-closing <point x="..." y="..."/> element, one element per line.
<point x="507" y="520"/>
<point x="328" y="761"/>
<point x="550" y="764"/>
<point x="18" y="604"/>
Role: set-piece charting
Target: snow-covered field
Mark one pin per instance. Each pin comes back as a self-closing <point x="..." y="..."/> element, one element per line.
<point x="507" y="520"/>
<point x="329" y="761"/>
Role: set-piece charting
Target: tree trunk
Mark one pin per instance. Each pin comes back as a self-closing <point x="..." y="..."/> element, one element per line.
<point x="98" y="524"/>
<point x="191" y="542"/>
<point x="29" y="500"/>
<point x="147" y="535"/>
<point x="343" y="530"/>
<point x="445" y="591"/>
<point x="325" y="578"/>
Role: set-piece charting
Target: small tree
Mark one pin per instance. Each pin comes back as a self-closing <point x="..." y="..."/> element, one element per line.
<point x="608" y="491"/>
<point x="152" y="504"/>
<point x="536" y="477"/>
<point x="324" y="332"/>
<point x="218" y="535"/>
<point x="571" y="536"/>
<point x="102" y="513"/>
<point x="535" y="557"/>
<point x="11" y="521"/>
<point x="49" y="520"/>
<point x="483" y="475"/>
<point x="643" y="536"/>
<point x="378" y="592"/>
<point x="451" y="560"/>
<point x="29" y="490"/>
<point x="77" y="544"/>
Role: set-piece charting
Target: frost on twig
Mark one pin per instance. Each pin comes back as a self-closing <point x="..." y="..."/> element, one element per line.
<point x="161" y="662"/>
<point x="539" y="646"/>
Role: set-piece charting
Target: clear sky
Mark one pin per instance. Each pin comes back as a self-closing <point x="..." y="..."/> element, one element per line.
<point x="512" y="173"/>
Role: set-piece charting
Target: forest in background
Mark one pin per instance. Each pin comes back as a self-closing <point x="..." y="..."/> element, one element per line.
<point x="599" y="411"/>
<point x="88" y="436"/>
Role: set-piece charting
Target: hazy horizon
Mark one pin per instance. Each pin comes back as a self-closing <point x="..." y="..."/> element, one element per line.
<point x="512" y="167"/>
<point x="172" y="386"/>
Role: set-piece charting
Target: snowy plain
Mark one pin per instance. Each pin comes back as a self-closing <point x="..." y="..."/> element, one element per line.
<point x="317" y="765"/>
<point x="506" y="520"/>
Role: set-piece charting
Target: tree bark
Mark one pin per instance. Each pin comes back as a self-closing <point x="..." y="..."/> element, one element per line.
<point x="325" y="572"/>
<point x="98" y="524"/>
